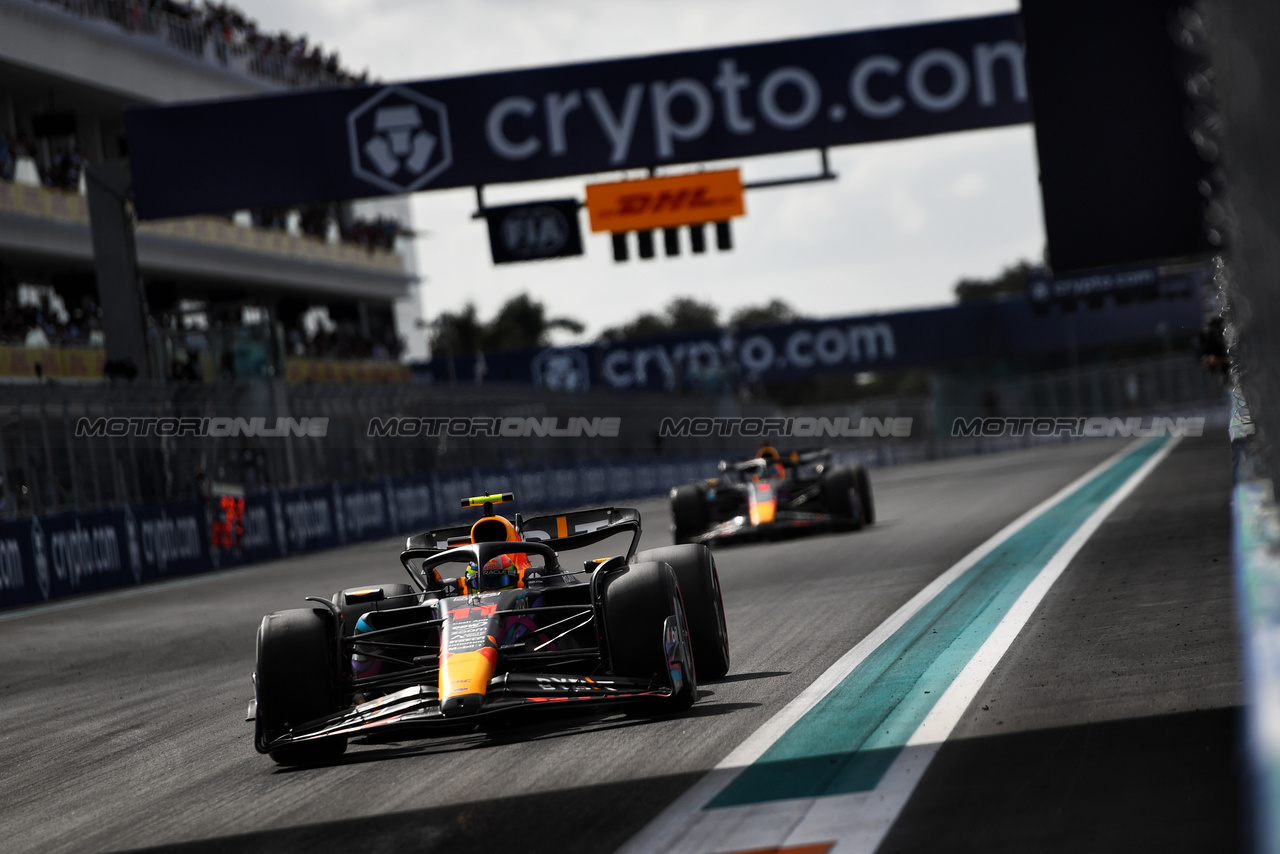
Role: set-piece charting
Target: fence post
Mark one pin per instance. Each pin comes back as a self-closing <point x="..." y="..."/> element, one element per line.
<point x="7" y="498"/>
<point x="72" y="466"/>
<point x="48" y="455"/>
<point x="93" y="472"/>
<point x="32" y="478"/>
<point x="137" y="478"/>
<point x="277" y="391"/>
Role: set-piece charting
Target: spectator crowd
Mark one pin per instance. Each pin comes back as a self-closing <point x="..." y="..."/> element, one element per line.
<point x="64" y="169"/>
<point x="66" y="166"/>
<point x="342" y="342"/>
<point x="316" y="220"/>
<point x="43" y="324"/>
<point x="221" y="32"/>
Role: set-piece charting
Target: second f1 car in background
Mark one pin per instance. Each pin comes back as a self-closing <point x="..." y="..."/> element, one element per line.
<point x="773" y="495"/>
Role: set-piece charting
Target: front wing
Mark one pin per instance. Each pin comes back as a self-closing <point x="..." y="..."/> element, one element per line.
<point x="419" y="705"/>
<point x="785" y="523"/>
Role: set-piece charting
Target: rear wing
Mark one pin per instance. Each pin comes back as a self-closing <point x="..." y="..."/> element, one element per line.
<point x="563" y="531"/>
<point x="791" y="460"/>
<point x="815" y="455"/>
<point x="582" y="528"/>
<point x="440" y="539"/>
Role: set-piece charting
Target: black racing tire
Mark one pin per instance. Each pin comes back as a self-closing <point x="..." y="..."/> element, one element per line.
<point x="862" y="483"/>
<point x="839" y="496"/>
<point x="296" y="681"/>
<point x="637" y="601"/>
<point x="695" y="570"/>
<point x="352" y="611"/>
<point x="689" y="512"/>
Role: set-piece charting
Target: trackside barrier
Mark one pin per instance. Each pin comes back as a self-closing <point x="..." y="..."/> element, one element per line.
<point x="1256" y="547"/>
<point x="49" y="557"/>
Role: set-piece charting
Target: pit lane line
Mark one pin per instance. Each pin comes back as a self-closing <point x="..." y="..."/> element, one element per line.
<point x="728" y="811"/>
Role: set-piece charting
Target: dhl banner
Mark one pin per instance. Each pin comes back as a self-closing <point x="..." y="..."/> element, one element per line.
<point x="339" y="371"/>
<point x="55" y="363"/>
<point x="666" y="202"/>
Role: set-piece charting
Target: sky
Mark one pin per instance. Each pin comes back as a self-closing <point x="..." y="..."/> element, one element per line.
<point x="902" y="224"/>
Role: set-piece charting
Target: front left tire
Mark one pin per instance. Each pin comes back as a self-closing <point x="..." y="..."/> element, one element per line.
<point x="695" y="569"/>
<point x="840" y="497"/>
<point x="297" y="681"/>
<point x="690" y="514"/>
<point x="637" y="602"/>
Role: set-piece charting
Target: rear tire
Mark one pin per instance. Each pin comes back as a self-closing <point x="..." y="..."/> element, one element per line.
<point x="862" y="483"/>
<point x="637" y="602"/>
<point x="296" y="678"/>
<point x="689" y="512"/>
<point x="839" y="496"/>
<point x="695" y="570"/>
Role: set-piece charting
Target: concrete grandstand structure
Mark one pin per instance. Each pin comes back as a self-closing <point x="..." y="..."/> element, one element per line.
<point x="247" y="293"/>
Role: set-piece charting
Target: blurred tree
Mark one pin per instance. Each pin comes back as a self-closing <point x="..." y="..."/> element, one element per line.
<point x="682" y="314"/>
<point x="686" y="314"/>
<point x="643" y="326"/>
<point x="1011" y="281"/>
<point x="774" y="311"/>
<point x="457" y="333"/>
<point x="520" y="323"/>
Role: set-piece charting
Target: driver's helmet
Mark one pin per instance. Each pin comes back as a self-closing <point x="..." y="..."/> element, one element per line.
<point x="774" y="461"/>
<point x="500" y="573"/>
<point x="496" y="529"/>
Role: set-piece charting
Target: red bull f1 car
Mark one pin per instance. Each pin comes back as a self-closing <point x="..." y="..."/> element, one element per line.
<point x="493" y="622"/>
<point x="773" y="495"/>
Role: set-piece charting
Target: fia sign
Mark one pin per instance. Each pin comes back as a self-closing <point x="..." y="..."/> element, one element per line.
<point x="534" y="232"/>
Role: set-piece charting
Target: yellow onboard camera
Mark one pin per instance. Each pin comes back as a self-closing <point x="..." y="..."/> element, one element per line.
<point x="487" y="501"/>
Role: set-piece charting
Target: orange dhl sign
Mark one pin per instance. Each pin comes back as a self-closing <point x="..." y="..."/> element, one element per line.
<point x="665" y="202"/>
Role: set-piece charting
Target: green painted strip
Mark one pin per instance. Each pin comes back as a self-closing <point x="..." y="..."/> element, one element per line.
<point x="845" y="743"/>
<point x="1256" y="534"/>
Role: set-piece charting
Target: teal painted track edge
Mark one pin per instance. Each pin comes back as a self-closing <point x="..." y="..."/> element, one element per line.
<point x="849" y="739"/>
<point x="1255" y="538"/>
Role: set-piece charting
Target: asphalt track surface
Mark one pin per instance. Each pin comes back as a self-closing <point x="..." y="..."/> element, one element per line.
<point x="1112" y="724"/>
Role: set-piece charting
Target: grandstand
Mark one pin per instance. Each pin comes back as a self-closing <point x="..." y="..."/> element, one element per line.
<point x="305" y="293"/>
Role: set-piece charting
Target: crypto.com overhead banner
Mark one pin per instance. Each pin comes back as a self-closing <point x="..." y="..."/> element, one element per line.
<point x="578" y="119"/>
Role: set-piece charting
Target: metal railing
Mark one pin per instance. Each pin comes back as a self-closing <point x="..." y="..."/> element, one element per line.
<point x="46" y="468"/>
<point x="206" y="41"/>
<point x="1139" y="387"/>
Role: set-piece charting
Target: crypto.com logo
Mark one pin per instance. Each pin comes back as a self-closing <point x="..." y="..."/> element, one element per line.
<point x="399" y="140"/>
<point x="561" y="369"/>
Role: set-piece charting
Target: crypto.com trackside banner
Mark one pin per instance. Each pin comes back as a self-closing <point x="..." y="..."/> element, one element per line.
<point x="578" y="119"/>
<point x="49" y="557"/>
